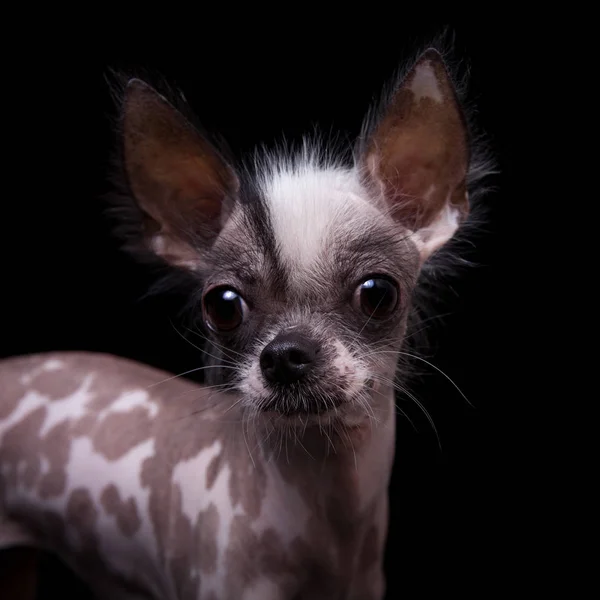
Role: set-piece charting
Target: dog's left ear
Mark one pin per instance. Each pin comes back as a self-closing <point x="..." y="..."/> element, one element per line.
<point x="417" y="157"/>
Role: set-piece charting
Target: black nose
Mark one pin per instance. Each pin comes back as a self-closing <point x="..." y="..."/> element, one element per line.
<point x="288" y="358"/>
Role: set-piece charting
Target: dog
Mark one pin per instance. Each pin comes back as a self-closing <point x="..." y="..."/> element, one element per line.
<point x="270" y="481"/>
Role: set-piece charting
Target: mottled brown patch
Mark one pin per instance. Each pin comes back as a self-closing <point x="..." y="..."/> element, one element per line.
<point x="208" y="526"/>
<point x="56" y="449"/>
<point x="84" y="425"/>
<point x="194" y="545"/>
<point x="248" y="482"/>
<point x="119" y="432"/>
<point x="12" y="389"/>
<point x="181" y="556"/>
<point x="242" y="565"/>
<point x="82" y="514"/>
<point x="307" y="569"/>
<point x="23" y="450"/>
<point x="213" y="470"/>
<point x="55" y="385"/>
<point x="17" y="451"/>
<point x="125" y="511"/>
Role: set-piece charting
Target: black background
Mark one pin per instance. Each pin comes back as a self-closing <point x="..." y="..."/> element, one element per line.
<point x="459" y="521"/>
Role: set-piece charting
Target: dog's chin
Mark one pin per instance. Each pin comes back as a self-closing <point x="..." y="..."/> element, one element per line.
<point x="309" y="410"/>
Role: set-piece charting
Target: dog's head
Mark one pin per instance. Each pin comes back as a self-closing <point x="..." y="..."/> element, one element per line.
<point x="306" y="267"/>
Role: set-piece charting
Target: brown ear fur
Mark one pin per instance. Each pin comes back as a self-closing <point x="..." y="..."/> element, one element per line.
<point x="418" y="155"/>
<point x="179" y="180"/>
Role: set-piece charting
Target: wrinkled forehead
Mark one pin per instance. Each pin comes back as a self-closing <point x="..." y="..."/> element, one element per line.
<point x="302" y="224"/>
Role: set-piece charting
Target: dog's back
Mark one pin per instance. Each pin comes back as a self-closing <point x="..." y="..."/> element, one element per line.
<point x="75" y="432"/>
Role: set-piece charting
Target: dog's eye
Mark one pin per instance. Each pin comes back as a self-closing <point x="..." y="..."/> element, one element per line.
<point x="224" y="309"/>
<point x="376" y="297"/>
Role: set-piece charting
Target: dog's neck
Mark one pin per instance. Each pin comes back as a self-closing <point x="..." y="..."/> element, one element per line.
<point x="341" y="468"/>
<point x="339" y="463"/>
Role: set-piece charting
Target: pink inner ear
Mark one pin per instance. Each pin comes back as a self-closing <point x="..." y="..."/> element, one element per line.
<point x="419" y="151"/>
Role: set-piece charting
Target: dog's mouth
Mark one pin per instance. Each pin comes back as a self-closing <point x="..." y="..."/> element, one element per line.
<point x="303" y="406"/>
<point x="309" y="405"/>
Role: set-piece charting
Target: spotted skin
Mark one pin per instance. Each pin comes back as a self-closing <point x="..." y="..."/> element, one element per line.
<point x="153" y="489"/>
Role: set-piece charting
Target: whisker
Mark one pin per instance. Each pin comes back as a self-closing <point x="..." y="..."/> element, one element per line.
<point x="220" y="359"/>
<point x="377" y="352"/>
<point x="188" y="372"/>
<point x="426" y="320"/>
<point x="211" y="341"/>
<point x="233" y="405"/>
<point x="201" y="409"/>
<point x="402" y="389"/>
<point x="441" y="373"/>
<point x="398" y="411"/>
<point x="246" y="441"/>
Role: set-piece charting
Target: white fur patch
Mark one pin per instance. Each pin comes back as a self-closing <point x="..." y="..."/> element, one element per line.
<point x="129" y="400"/>
<point x="252" y="384"/>
<point x="134" y="556"/>
<point x="70" y="407"/>
<point x="30" y="402"/>
<point x="425" y="83"/>
<point x="309" y="204"/>
<point x="353" y="371"/>
<point x="195" y="469"/>
<point x="430" y="238"/>
<point x="283" y="509"/>
<point x="84" y="465"/>
<point x="52" y="364"/>
<point x="57" y="411"/>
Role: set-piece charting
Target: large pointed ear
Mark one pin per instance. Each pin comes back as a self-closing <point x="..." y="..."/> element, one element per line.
<point x="182" y="185"/>
<point x="417" y="156"/>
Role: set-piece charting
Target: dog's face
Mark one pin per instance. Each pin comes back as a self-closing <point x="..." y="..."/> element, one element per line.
<point x="307" y="288"/>
<point x="306" y="269"/>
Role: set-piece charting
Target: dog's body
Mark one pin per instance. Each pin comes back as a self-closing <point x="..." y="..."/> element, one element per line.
<point x="154" y="488"/>
<point x="272" y="483"/>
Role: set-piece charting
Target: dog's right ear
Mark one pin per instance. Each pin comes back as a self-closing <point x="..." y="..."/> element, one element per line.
<point x="182" y="185"/>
